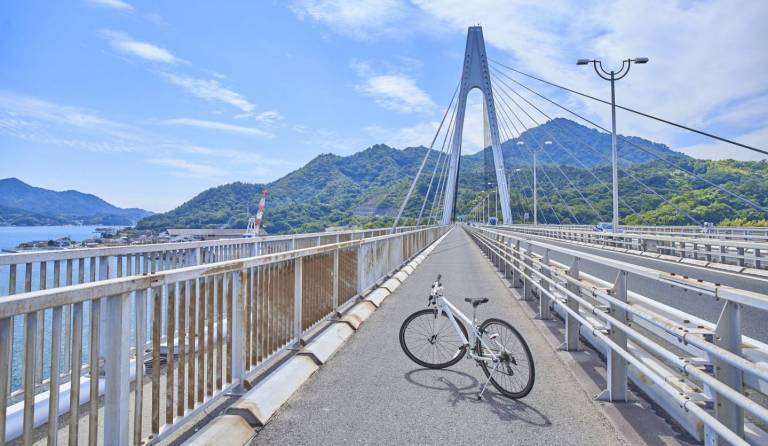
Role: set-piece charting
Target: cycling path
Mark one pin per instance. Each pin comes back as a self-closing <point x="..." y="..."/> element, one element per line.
<point x="371" y="393"/>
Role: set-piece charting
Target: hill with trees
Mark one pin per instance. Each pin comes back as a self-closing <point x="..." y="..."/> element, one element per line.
<point x="366" y="188"/>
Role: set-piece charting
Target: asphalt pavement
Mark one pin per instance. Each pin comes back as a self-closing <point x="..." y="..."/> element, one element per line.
<point x="371" y="393"/>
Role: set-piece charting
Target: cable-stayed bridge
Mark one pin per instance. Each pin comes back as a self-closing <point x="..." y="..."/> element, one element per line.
<point x="640" y="334"/>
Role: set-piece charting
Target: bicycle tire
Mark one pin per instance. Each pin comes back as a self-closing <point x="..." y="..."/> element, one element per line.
<point x="417" y="329"/>
<point x="509" y="387"/>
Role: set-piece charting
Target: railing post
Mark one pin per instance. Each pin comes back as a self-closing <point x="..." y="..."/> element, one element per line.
<point x="335" y="296"/>
<point x="528" y="283"/>
<point x="544" y="312"/>
<point x="116" y="396"/>
<point x="571" y="324"/>
<point x="238" y="353"/>
<point x="617" y="366"/>
<point x="516" y="261"/>
<point x="297" y="273"/>
<point x="728" y="336"/>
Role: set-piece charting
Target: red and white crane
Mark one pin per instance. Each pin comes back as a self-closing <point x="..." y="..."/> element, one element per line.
<point x="254" y="223"/>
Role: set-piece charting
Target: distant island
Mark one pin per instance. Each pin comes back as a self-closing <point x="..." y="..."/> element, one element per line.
<point x="24" y="205"/>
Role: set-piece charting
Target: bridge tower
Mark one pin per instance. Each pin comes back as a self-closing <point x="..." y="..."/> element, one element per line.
<point x="475" y="74"/>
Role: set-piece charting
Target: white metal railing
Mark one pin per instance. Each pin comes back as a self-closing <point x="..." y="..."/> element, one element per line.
<point x="39" y="270"/>
<point x="744" y="253"/>
<point x="724" y="232"/>
<point x="199" y="331"/>
<point x="706" y="375"/>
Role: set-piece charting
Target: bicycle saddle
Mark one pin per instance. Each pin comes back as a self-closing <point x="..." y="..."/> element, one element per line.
<point x="475" y="301"/>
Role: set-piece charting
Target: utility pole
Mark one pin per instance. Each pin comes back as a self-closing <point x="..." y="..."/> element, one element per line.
<point x="613" y="76"/>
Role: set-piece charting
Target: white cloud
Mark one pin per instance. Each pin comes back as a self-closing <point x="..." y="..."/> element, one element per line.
<point x="126" y="45"/>
<point x="44" y="122"/>
<point x="210" y="90"/>
<point x="266" y="117"/>
<point x="186" y="168"/>
<point x="357" y="18"/>
<point x="720" y="150"/>
<point x="689" y="79"/>
<point x="238" y="156"/>
<point x="401" y="138"/>
<point x="394" y="91"/>
<point x="214" y="125"/>
<point x="114" y="4"/>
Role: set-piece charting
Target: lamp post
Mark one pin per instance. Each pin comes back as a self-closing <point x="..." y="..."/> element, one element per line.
<point x="521" y="144"/>
<point x="613" y="76"/>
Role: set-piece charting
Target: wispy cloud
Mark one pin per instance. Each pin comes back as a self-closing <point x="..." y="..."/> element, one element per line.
<point x="238" y="156"/>
<point x="266" y="117"/>
<point x="401" y="138"/>
<point x="215" y="125"/>
<point x="393" y="91"/>
<point x="185" y="168"/>
<point x="358" y="18"/>
<point x="124" y="44"/>
<point x="114" y="4"/>
<point x="210" y="90"/>
<point x="44" y="122"/>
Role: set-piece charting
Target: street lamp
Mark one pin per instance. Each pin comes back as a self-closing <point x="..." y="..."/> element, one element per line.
<point x="521" y="144"/>
<point x="613" y="76"/>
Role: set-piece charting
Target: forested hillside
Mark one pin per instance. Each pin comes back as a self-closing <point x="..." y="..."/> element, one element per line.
<point x="366" y="188"/>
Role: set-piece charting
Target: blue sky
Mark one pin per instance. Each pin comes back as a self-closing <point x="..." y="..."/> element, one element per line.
<point x="148" y="103"/>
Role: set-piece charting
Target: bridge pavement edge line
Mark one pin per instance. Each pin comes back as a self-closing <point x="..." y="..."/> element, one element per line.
<point x="259" y="404"/>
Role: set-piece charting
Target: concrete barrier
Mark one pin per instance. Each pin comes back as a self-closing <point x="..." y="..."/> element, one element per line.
<point x="391" y="284"/>
<point x="232" y="427"/>
<point x="259" y="404"/>
<point x="359" y="313"/>
<point x="328" y="342"/>
<point x="377" y="296"/>
<point x="401" y="276"/>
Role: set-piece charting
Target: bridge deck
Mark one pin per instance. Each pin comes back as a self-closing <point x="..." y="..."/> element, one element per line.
<point x="371" y="393"/>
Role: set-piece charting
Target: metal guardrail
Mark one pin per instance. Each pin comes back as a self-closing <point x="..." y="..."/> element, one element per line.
<point x="741" y="253"/>
<point x="707" y="376"/>
<point x="722" y="232"/>
<point x="39" y="270"/>
<point x="202" y="331"/>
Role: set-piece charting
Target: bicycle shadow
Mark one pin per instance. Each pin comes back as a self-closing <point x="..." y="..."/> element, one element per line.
<point x="463" y="387"/>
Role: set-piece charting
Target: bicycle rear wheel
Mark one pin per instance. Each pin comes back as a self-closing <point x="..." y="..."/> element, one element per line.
<point x="515" y="374"/>
<point x="431" y="341"/>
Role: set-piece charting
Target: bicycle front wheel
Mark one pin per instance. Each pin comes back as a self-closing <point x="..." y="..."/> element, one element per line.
<point x="431" y="341"/>
<point x="515" y="373"/>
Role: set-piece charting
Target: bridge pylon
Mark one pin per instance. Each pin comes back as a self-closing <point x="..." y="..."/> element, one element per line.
<point x="475" y="74"/>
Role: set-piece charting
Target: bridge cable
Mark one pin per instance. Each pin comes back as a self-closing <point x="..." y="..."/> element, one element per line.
<point x="602" y="155"/>
<point x="441" y="182"/>
<point x="645" y="150"/>
<point x="656" y="118"/>
<point x="504" y="119"/>
<point x="541" y="149"/>
<point x="424" y="161"/>
<point x="571" y="154"/>
<point x="546" y="175"/>
<point x="437" y="162"/>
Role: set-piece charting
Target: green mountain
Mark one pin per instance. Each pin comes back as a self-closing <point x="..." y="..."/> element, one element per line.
<point x="25" y="205"/>
<point x="366" y="188"/>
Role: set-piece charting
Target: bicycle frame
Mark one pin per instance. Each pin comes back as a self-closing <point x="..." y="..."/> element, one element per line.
<point x="443" y="304"/>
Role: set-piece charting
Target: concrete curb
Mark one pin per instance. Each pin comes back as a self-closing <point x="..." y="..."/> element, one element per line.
<point x="377" y="296"/>
<point x="359" y="313"/>
<point x="236" y="429"/>
<point x="259" y="404"/>
<point x="401" y="276"/>
<point x="391" y="285"/>
<point x="330" y="340"/>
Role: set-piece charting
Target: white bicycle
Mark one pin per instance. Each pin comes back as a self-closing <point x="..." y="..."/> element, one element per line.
<point x="436" y="338"/>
